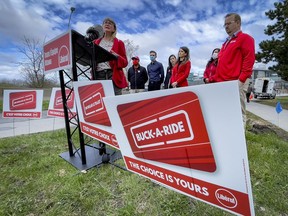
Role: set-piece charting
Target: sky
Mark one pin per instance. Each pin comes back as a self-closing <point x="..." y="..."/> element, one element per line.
<point x="160" y="25"/>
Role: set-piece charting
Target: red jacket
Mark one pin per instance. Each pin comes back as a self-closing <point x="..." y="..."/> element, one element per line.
<point x="117" y="66"/>
<point x="235" y="59"/>
<point x="210" y="69"/>
<point x="180" y="74"/>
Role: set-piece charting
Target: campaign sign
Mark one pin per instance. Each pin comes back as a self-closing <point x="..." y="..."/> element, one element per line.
<point x="55" y="108"/>
<point x="190" y="140"/>
<point x="22" y="100"/>
<point x="92" y="105"/>
<point x="174" y="135"/>
<point x="57" y="53"/>
<point x="22" y="103"/>
<point x="93" y="116"/>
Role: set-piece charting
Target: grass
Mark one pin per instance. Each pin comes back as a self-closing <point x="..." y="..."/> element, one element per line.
<point x="36" y="181"/>
<point x="268" y="170"/>
<point x="272" y="102"/>
<point x="45" y="104"/>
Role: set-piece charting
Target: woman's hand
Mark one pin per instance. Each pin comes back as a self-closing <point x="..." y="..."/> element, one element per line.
<point x="114" y="53"/>
<point x="174" y="84"/>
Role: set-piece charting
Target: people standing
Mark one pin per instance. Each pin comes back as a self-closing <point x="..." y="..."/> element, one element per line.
<point x="112" y="70"/>
<point x="171" y="62"/>
<point x="155" y="72"/>
<point x="248" y="93"/>
<point x="137" y="76"/>
<point x="181" y="69"/>
<point x="236" y="58"/>
<point x="210" y="69"/>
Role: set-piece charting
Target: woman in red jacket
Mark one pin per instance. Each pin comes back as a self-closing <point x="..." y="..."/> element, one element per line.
<point x="181" y="69"/>
<point x="112" y="69"/>
<point x="211" y="66"/>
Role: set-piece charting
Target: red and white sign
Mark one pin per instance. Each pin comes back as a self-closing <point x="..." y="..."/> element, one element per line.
<point x="188" y="139"/>
<point x="170" y="134"/>
<point x="91" y="98"/>
<point x="93" y="117"/>
<point x="218" y="195"/>
<point x="22" y="103"/>
<point x="57" y="53"/>
<point x="55" y="108"/>
<point x="22" y="100"/>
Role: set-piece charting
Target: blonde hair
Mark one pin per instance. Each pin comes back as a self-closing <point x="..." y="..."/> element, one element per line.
<point x="112" y="21"/>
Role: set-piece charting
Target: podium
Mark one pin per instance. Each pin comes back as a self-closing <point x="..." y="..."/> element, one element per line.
<point x="70" y="51"/>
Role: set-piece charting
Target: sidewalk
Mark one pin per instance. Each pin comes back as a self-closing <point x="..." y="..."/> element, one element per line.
<point x="14" y="126"/>
<point x="269" y="114"/>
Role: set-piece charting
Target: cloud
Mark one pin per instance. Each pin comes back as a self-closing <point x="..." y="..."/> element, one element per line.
<point x="162" y="25"/>
<point x="174" y="2"/>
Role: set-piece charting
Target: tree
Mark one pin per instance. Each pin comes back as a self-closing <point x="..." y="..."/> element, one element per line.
<point x="32" y="68"/>
<point x="131" y="49"/>
<point x="276" y="49"/>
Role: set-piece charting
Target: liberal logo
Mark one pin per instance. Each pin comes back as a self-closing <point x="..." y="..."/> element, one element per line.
<point x="226" y="198"/>
<point x="64" y="56"/>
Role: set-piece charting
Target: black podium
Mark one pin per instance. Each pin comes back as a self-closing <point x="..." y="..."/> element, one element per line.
<point x="85" y="57"/>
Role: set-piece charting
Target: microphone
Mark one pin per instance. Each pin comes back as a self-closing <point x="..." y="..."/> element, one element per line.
<point x="72" y="9"/>
<point x="94" y="32"/>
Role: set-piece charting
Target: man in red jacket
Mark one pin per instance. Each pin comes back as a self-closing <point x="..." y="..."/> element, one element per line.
<point x="236" y="58"/>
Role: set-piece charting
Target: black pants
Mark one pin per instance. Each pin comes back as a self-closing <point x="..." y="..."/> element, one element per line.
<point x="152" y="86"/>
<point x="248" y="96"/>
<point x="107" y="75"/>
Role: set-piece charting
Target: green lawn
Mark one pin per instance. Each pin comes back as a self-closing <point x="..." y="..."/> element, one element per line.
<point x="273" y="102"/>
<point x="36" y="181"/>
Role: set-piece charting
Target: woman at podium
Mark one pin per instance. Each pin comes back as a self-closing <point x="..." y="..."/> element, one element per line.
<point x="113" y="69"/>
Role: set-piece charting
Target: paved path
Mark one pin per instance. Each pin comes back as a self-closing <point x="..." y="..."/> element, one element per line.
<point x="14" y="127"/>
<point x="269" y="114"/>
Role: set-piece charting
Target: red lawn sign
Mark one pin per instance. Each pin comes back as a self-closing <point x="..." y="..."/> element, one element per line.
<point x="189" y="140"/>
<point x="93" y="117"/>
<point x="55" y="108"/>
<point x="22" y="103"/>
